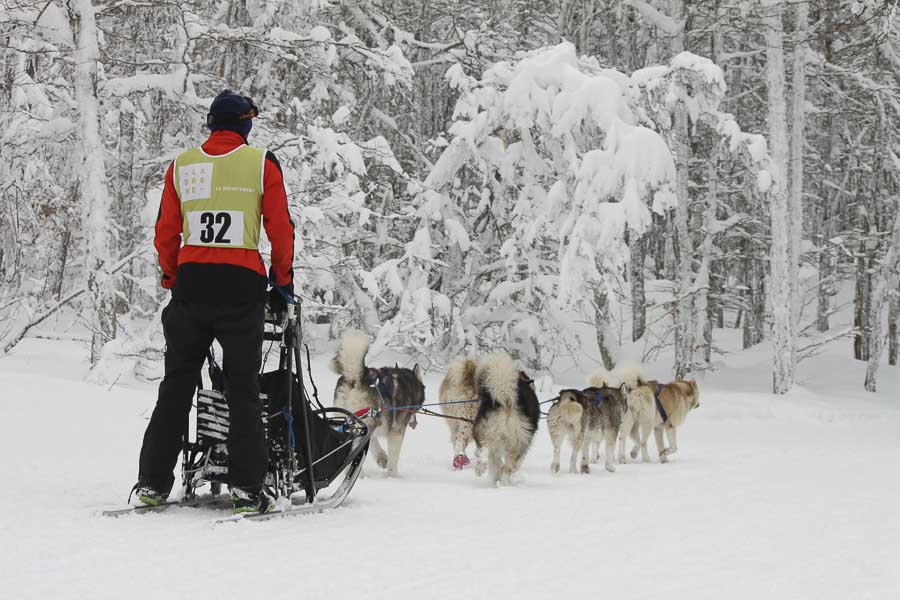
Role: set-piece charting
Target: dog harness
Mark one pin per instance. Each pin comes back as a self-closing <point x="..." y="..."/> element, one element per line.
<point x="385" y="377"/>
<point x="659" y="406"/>
<point x="598" y="400"/>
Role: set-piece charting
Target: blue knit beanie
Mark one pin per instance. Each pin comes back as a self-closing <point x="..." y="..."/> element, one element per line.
<point x="232" y="112"/>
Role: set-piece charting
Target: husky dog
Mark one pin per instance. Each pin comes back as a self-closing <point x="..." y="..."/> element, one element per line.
<point x="672" y="402"/>
<point x="599" y="378"/>
<point x="361" y="387"/>
<point x="459" y="401"/>
<point x="576" y="417"/>
<point x="610" y="406"/>
<point x="507" y="416"/>
<point x="641" y="417"/>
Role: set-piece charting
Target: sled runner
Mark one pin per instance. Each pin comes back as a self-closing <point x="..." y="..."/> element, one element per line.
<point x="315" y="453"/>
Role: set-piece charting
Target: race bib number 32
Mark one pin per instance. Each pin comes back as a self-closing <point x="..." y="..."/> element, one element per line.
<point x="216" y="228"/>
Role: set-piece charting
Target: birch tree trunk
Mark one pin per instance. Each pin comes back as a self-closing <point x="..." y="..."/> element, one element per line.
<point x="888" y="277"/>
<point x="704" y="318"/>
<point x="893" y="309"/>
<point x="796" y="162"/>
<point x="862" y="297"/>
<point x="601" y="313"/>
<point x="826" y="260"/>
<point x="685" y="332"/>
<point x="638" y="298"/>
<point x="784" y="334"/>
<point x="92" y="184"/>
<point x="684" y="309"/>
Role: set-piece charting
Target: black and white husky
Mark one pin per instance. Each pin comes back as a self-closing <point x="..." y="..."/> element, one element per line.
<point x="507" y="416"/>
<point x="382" y="390"/>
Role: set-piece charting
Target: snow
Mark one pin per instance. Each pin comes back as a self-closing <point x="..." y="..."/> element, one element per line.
<point x="319" y="34"/>
<point x="340" y="115"/>
<point x="457" y="233"/>
<point x="172" y="84"/>
<point x="667" y="24"/>
<point x="786" y="497"/>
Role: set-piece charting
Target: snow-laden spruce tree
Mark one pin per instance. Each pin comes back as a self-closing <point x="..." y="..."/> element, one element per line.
<point x="524" y="215"/>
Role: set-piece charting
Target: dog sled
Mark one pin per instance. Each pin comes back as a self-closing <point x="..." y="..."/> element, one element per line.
<point x="315" y="453"/>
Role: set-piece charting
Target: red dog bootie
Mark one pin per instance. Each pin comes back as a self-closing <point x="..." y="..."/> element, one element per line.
<point x="460" y="461"/>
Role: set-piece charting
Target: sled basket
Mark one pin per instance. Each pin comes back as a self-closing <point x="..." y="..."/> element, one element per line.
<point x="331" y="432"/>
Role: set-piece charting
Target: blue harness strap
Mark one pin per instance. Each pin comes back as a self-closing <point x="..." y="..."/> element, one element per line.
<point x="290" y="423"/>
<point x="377" y="386"/>
<point x="659" y="406"/>
<point x="599" y="399"/>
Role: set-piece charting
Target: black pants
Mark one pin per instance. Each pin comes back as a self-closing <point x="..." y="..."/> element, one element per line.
<point x="189" y="329"/>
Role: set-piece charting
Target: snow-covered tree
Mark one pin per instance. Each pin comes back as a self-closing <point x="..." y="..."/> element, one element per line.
<point x="545" y="172"/>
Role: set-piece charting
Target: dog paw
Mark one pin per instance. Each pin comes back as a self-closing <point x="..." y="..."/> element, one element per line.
<point x="554" y="468"/>
<point x="585" y="468"/>
<point x="663" y="458"/>
<point x="381" y="461"/>
<point x="610" y="467"/>
<point x="622" y="459"/>
<point x="480" y="469"/>
<point x="634" y="453"/>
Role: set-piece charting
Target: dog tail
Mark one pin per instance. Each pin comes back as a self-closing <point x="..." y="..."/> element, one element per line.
<point x="350" y="360"/>
<point x="598" y="378"/>
<point x="629" y="373"/>
<point x="461" y="373"/>
<point x="640" y="397"/>
<point x="497" y="375"/>
<point x="696" y="389"/>
<point x="570" y="409"/>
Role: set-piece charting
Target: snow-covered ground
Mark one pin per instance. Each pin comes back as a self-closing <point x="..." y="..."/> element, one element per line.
<point x="792" y="497"/>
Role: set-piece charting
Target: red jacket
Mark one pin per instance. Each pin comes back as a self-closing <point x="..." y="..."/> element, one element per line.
<point x="276" y="220"/>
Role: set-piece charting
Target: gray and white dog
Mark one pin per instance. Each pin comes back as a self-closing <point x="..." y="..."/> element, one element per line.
<point x="383" y="390"/>
<point x="587" y="417"/>
<point x="616" y="413"/>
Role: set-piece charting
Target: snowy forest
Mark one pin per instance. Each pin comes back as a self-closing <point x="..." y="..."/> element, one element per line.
<point x="575" y="181"/>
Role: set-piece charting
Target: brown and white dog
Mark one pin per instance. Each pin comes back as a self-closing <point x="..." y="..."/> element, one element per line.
<point x="381" y="390"/>
<point x="459" y="402"/>
<point x="672" y="403"/>
<point x="507" y="416"/>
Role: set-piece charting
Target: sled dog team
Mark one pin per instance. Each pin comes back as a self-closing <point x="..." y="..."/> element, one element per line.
<point x="493" y="404"/>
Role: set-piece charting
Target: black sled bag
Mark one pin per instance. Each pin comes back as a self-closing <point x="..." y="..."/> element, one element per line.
<point x="330" y="447"/>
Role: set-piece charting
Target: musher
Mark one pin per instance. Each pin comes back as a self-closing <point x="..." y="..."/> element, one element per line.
<point x="207" y="236"/>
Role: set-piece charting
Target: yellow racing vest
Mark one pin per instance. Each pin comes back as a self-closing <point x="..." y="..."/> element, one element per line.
<point x="221" y="197"/>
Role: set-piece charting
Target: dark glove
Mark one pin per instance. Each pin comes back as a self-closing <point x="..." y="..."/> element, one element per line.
<point x="279" y="294"/>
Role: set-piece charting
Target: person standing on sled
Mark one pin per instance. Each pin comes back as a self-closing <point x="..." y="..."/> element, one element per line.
<point x="213" y="200"/>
